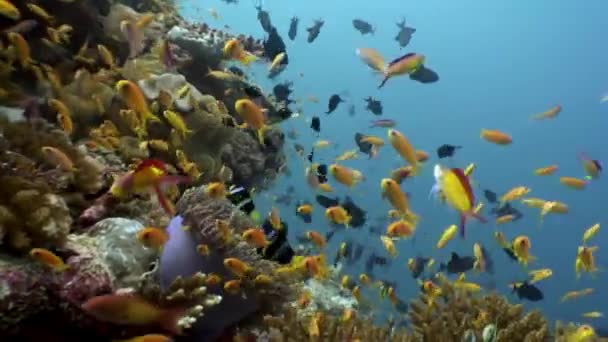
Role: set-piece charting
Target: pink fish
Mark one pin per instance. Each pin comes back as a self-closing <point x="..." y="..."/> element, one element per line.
<point x="385" y="123"/>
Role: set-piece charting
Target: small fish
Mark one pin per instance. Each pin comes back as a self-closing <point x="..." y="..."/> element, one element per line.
<point x="233" y="49"/>
<point x="58" y="158"/>
<point x="538" y="275"/>
<point x="573" y="183"/>
<point x="448" y="234"/>
<point x="333" y="103"/>
<point x="363" y="26"/>
<point x="277" y="61"/>
<point x="8" y="10"/>
<point x="593" y="167"/>
<point x="548" y="114"/>
<point x="527" y="291"/>
<point x="546" y="171"/>
<point x="237" y="267"/>
<point x="593" y="314"/>
<point x="314" y="30"/>
<point x="576" y="294"/>
<point x="132" y="310"/>
<point x="590" y="232"/>
<point x="405" y="34"/>
<point x="374" y="106"/>
<point x="490" y="196"/>
<point x="153" y="237"/>
<point x="458" y="264"/>
<point x="203" y="249"/>
<point x="446" y="150"/>
<point x="216" y="190"/>
<point x="496" y="137"/>
<point x="384" y="123"/>
<point x="177" y="122"/>
<point x="316" y="238"/>
<point x="133" y="97"/>
<point x="315" y="124"/>
<point x="22" y="27"/>
<point x="293" y="28"/>
<point x="255" y="237"/>
<point x="49" y="259"/>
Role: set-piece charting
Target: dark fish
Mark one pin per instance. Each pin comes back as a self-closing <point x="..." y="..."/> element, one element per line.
<point x="311" y="155"/>
<point x="293" y="28"/>
<point x="282" y="91"/>
<point x="488" y="258"/>
<point x="374" y="106"/>
<point x="327" y="202"/>
<point x="315" y="124"/>
<point x="458" y="264"/>
<point x="314" y="30"/>
<point x="253" y="91"/>
<point x="322" y="169"/>
<point x="507" y="209"/>
<point x="330" y="234"/>
<point x="527" y="291"/>
<point x="364" y="147"/>
<point x="351" y="110"/>
<point x="417" y="266"/>
<point x="345" y="250"/>
<point x="231" y="1"/>
<point x="22" y="27"/>
<point x="237" y="71"/>
<point x="375" y="260"/>
<point x="510" y="253"/>
<point x="241" y="198"/>
<point x="284" y="113"/>
<point x="284" y="199"/>
<point x="401" y="307"/>
<point x="424" y="75"/>
<point x="299" y="149"/>
<point x="490" y="196"/>
<point x="334" y="101"/>
<point x="405" y="34"/>
<point x="357" y="253"/>
<point x="307" y="218"/>
<point x="358" y="215"/>
<point x="274" y="45"/>
<point x="446" y="150"/>
<point x="363" y="26"/>
<point x="264" y="19"/>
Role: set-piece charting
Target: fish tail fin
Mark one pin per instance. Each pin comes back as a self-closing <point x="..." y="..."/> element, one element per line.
<point x="247" y="58"/>
<point x="386" y="77"/>
<point x="164" y="201"/>
<point x="169" y="320"/>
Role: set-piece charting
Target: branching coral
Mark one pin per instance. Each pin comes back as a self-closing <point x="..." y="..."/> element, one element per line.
<point x="293" y="326"/>
<point x="449" y="317"/>
<point x="180" y="259"/>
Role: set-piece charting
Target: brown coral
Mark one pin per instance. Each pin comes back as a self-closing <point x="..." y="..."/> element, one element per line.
<point x="449" y="317"/>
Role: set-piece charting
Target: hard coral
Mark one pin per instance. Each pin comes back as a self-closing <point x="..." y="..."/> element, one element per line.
<point x="180" y="259"/>
<point x="449" y="317"/>
<point x="294" y="326"/>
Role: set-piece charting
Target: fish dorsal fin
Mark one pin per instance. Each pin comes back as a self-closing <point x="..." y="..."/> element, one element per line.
<point x="399" y="59"/>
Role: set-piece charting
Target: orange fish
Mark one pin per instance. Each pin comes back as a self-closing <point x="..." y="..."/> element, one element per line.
<point x="495" y="136"/>
<point x="149" y="338"/>
<point x="236" y="266"/>
<point x="405" y="149"/>
<point x="546" y="171"/>
<point x="233" y="49"/>
<point x="422" y="156"/>
<point x="458" y="193"/>
<point x="132" y="310"/>
<point x="315" y="266"/>
<point x="49" y="259"/>
<point x="22" y="48"/>
<point x="316" y="238"/>
<point x="255" y="237"/>
<point x="338" y="215"/>
<point x="216" y="190"/>
<point x="58" y="158"/>
<point x="304" y="299"/>
<point x="548" y="114"/>
<point x="233" y="286"/>
<point x="153" y="237"/>
<point x="133" y="97"/>
<point x="149" y="174"/>
<point x="203" y="249"/>
<point x="253" y="116"/>
<point x="275" y="219"/>
<point x="64" y="117"/>
<point x="400" y="229"/>
<point x="574" y="183"/>
<point x="402" y="173"/>
<point x="345" y="175"/>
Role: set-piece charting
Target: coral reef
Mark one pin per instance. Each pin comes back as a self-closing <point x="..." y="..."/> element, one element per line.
<point x="328" y="297"/>
<point x="293" y="326"/>
<point x="99" y="262"/>
<point x="448" y="318"/>
<point x="180" y="259"/>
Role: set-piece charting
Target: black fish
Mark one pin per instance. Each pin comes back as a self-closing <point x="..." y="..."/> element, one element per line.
<point x="314" y="30"/>
<point x="405" y="34"/>
<point x="279" y="249"/>
<point x="237" y="71"/>
<point x="374" y="106"/>
<point x="374" y="260"/>
<point x="327" y="202"/>
<point x="284" y="113"/>
<point x="351" y="110"/>
<point x="293" y="28"/>
<point x="363" y="26"/>
<point x="527" y="291"/>
<point x="231" y="1"/>
<point x="274" y="45"/>
<point x="322" y="169"/>
<point x="507" y="209"/>
<point x="253" y="91"/>
<point x="282" y="91"/>
<point x="417" y="266"/>
<point x="458" y="264"/>
<point x="311" y="155"/>
<point x="510" y="253"/>
<point x="358" y="215"/>
<point x="490" y="196"/>
<point x="424" y="75"/>
<point x="364" y="147"/>
<point x="299" y="149"/>
<point x="446" y="150"/>
<point x="334" y="101"/>
<point x="315" y="124"/>
<point x="241" y="198"/>
<point x="264" y="19"/>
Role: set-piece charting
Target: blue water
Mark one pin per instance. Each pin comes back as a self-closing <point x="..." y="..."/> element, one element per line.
<point x="500" y="62"/>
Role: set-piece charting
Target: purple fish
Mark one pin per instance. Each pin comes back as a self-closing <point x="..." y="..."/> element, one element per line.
<point x="387" y="123"/>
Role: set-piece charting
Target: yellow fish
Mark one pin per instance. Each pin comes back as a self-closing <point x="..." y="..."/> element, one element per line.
<point x="590" y="232"/>
<point x="448" y="234"/>
<point x="177" y="122"/>
<point x="8" y="10"/>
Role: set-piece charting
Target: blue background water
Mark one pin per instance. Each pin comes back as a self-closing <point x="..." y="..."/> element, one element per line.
<point x="500" y="62"/>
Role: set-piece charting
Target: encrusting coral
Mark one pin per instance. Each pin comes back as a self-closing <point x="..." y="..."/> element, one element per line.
<point x="449" y="317"/>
